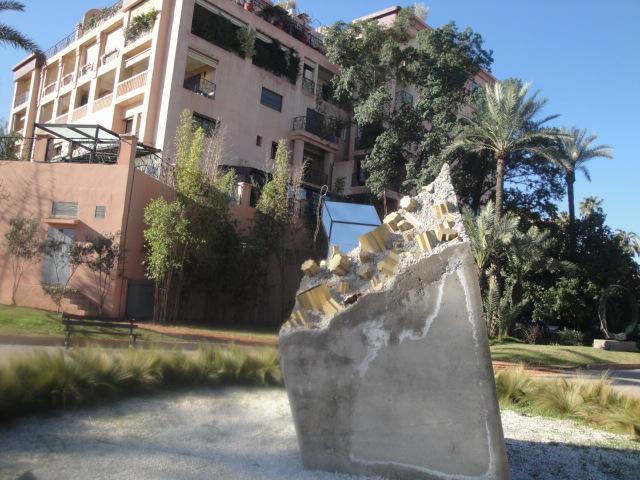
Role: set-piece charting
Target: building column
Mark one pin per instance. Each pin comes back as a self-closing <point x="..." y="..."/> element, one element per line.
<point x="297" y="157"/>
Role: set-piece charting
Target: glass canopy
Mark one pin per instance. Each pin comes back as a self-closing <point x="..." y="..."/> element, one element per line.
<point x="345" y="222"/>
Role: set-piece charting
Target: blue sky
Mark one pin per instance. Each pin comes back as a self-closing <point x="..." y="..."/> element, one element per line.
<point x="582" y="54"/>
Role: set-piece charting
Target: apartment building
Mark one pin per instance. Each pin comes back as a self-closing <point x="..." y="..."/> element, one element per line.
<point x="133" y="67"/>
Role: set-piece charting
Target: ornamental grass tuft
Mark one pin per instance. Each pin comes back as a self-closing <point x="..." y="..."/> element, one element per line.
<point x="45" y="381"/>
<point x="594" y="402"/>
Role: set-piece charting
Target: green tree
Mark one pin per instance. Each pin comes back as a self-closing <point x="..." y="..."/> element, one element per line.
<point x="9" y="146"/>
<point x="571" y="153"/>
<point x="588" y="205"/>
<point x="23" y="246"/>
<point x="11" y="36"/>
<point x="630" y="241"/>
<point x="504" y="123"/>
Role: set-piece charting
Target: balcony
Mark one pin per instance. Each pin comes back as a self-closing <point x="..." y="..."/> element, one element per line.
<point x="101" y="103"/>
<point x="79" y="113"/>
<point x="66" y="80"/>
<point x="85" y="69"/>
<point x="403" y="98"/>
<point x="200" y="86"/>
<point x="293" y="26"/>
<point x="131" y="84"/>
<point x="309" y="85"/>
<point x="315" y="177"/>
<point x="21" y="98"/>
<point x="109" y="57"/>
<point x="317" y="124"/>
<point x="49" y="89"/>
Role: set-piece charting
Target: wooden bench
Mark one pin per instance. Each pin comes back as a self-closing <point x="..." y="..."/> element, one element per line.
<point x="98" y="325"/>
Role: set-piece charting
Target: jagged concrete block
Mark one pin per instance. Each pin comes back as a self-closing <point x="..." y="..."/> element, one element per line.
<point x="397" y="381"/>
<point x="310" y="268"/>
<point x="333" y="250"/>
<point x="299" y="318"/>
<point x="429" y="188"/>
<point x="400" y="384"/>
<point x="339" y="264"/>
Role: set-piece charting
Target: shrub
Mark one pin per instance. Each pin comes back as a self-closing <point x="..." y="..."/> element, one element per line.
<point x="569" y="337"/>
<point x="536" y="334"/>
<point x="140" y="24"/>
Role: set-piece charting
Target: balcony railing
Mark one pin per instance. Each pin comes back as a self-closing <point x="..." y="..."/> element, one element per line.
<point x="290" y="25"/>
<point x="109" y="57"/>
<point x="103" y="102"/>
<point x="200" y="86"/>
<point x="101" y="17"/>
<point x="403" y="98"/>
<point x="79" y="112"/>
<point x="317" y="125"/>
<point x="86" y="68"/>
<point x="314" y="177"/>
<point x="309" y="85"/>
<point x="21" y="98"/>
<point x="49" y="89"/>
<point x="67" y="79"/>
<point x="133" y="83"/>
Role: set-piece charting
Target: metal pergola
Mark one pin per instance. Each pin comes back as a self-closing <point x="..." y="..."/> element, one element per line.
<point x="101" y="144"/>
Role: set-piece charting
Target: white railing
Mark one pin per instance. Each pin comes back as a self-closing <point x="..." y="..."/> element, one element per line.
<point x="109" y="57"/>
<point x="103" y="102"/>
<point x="133" y="83"/>
<point x="86" y="68"/>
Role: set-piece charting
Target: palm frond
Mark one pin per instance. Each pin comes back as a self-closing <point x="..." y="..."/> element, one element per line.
<point x="9" y="5"/>
<point x="11" y="36"/>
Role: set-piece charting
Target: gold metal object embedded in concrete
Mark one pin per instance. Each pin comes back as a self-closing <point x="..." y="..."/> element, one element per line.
<point x="339" y="264"/>
<point x="365" y="271"/>
<point x="429" y="188"/>
<point x="408" y="236"/>
<point x="427" y="241"/>
<point x="310" y="268"/>
<point x="376" y="283"/>
<point x="388" y="264"/>
<point x="392" y="220"/>
<point x="408" y="203"/>
<point x="343" y="287"/>
<point x="299" y="318"/>
<point x="441" y="210"/>
<point x="375" y="240"/>
<point x="409" y="217"/>
<point x="403" y="226"/>
<point x="331" y="307"/>
<point x="314" y="298"/>
<point x="444" y="233"/>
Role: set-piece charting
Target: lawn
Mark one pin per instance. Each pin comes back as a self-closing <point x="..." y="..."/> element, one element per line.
<point x="558" y="355"/>
<point x="30" y="321"/>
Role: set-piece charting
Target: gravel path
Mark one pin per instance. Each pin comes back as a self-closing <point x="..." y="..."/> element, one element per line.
<point x="243" y="434"/>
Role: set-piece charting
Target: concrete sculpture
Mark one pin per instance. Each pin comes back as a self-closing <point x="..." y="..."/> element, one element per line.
<point x="386" y="360"/>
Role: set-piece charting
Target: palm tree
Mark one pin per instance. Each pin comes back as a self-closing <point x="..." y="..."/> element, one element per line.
<point x="505" y="123"/>
<point x="588" y="205"/>
<point x="11" y="36"/>
<point x="573" y="149"/>
<point x="629" y="241"/>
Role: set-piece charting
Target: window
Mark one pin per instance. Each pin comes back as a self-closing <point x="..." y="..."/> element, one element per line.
<point x="101" y="211"/>
<point x="206" y="123"/>
<point x="271" y="99"/>
<point x="274" y="149"/>
<point x="258" y="141"/>
<point x="64" y="209"/>
<point x="128" y="125"/>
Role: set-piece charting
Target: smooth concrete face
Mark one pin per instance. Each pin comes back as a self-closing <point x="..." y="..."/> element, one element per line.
<point x="401" y="384"/>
